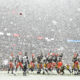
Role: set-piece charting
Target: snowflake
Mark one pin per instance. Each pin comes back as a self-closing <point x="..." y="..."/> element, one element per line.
<point x="70" y="19"/>
<point x="8" y="34"/>
<point x="1" y="33"/>
<point x="11" y="22"/>
<point x="54" y="22"/>
<point x="78" y="9"/>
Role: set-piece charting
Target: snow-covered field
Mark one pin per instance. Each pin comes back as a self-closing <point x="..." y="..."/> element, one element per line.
<point x="19" y="76"/>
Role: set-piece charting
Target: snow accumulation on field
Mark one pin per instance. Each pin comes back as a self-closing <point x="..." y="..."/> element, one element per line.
<point x="19" y="76"/>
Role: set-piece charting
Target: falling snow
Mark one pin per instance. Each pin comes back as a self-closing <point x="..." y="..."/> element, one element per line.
<point x="39" y="24"/>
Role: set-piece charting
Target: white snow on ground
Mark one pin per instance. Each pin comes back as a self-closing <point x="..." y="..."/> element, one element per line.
<point x="19" y="76"/>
